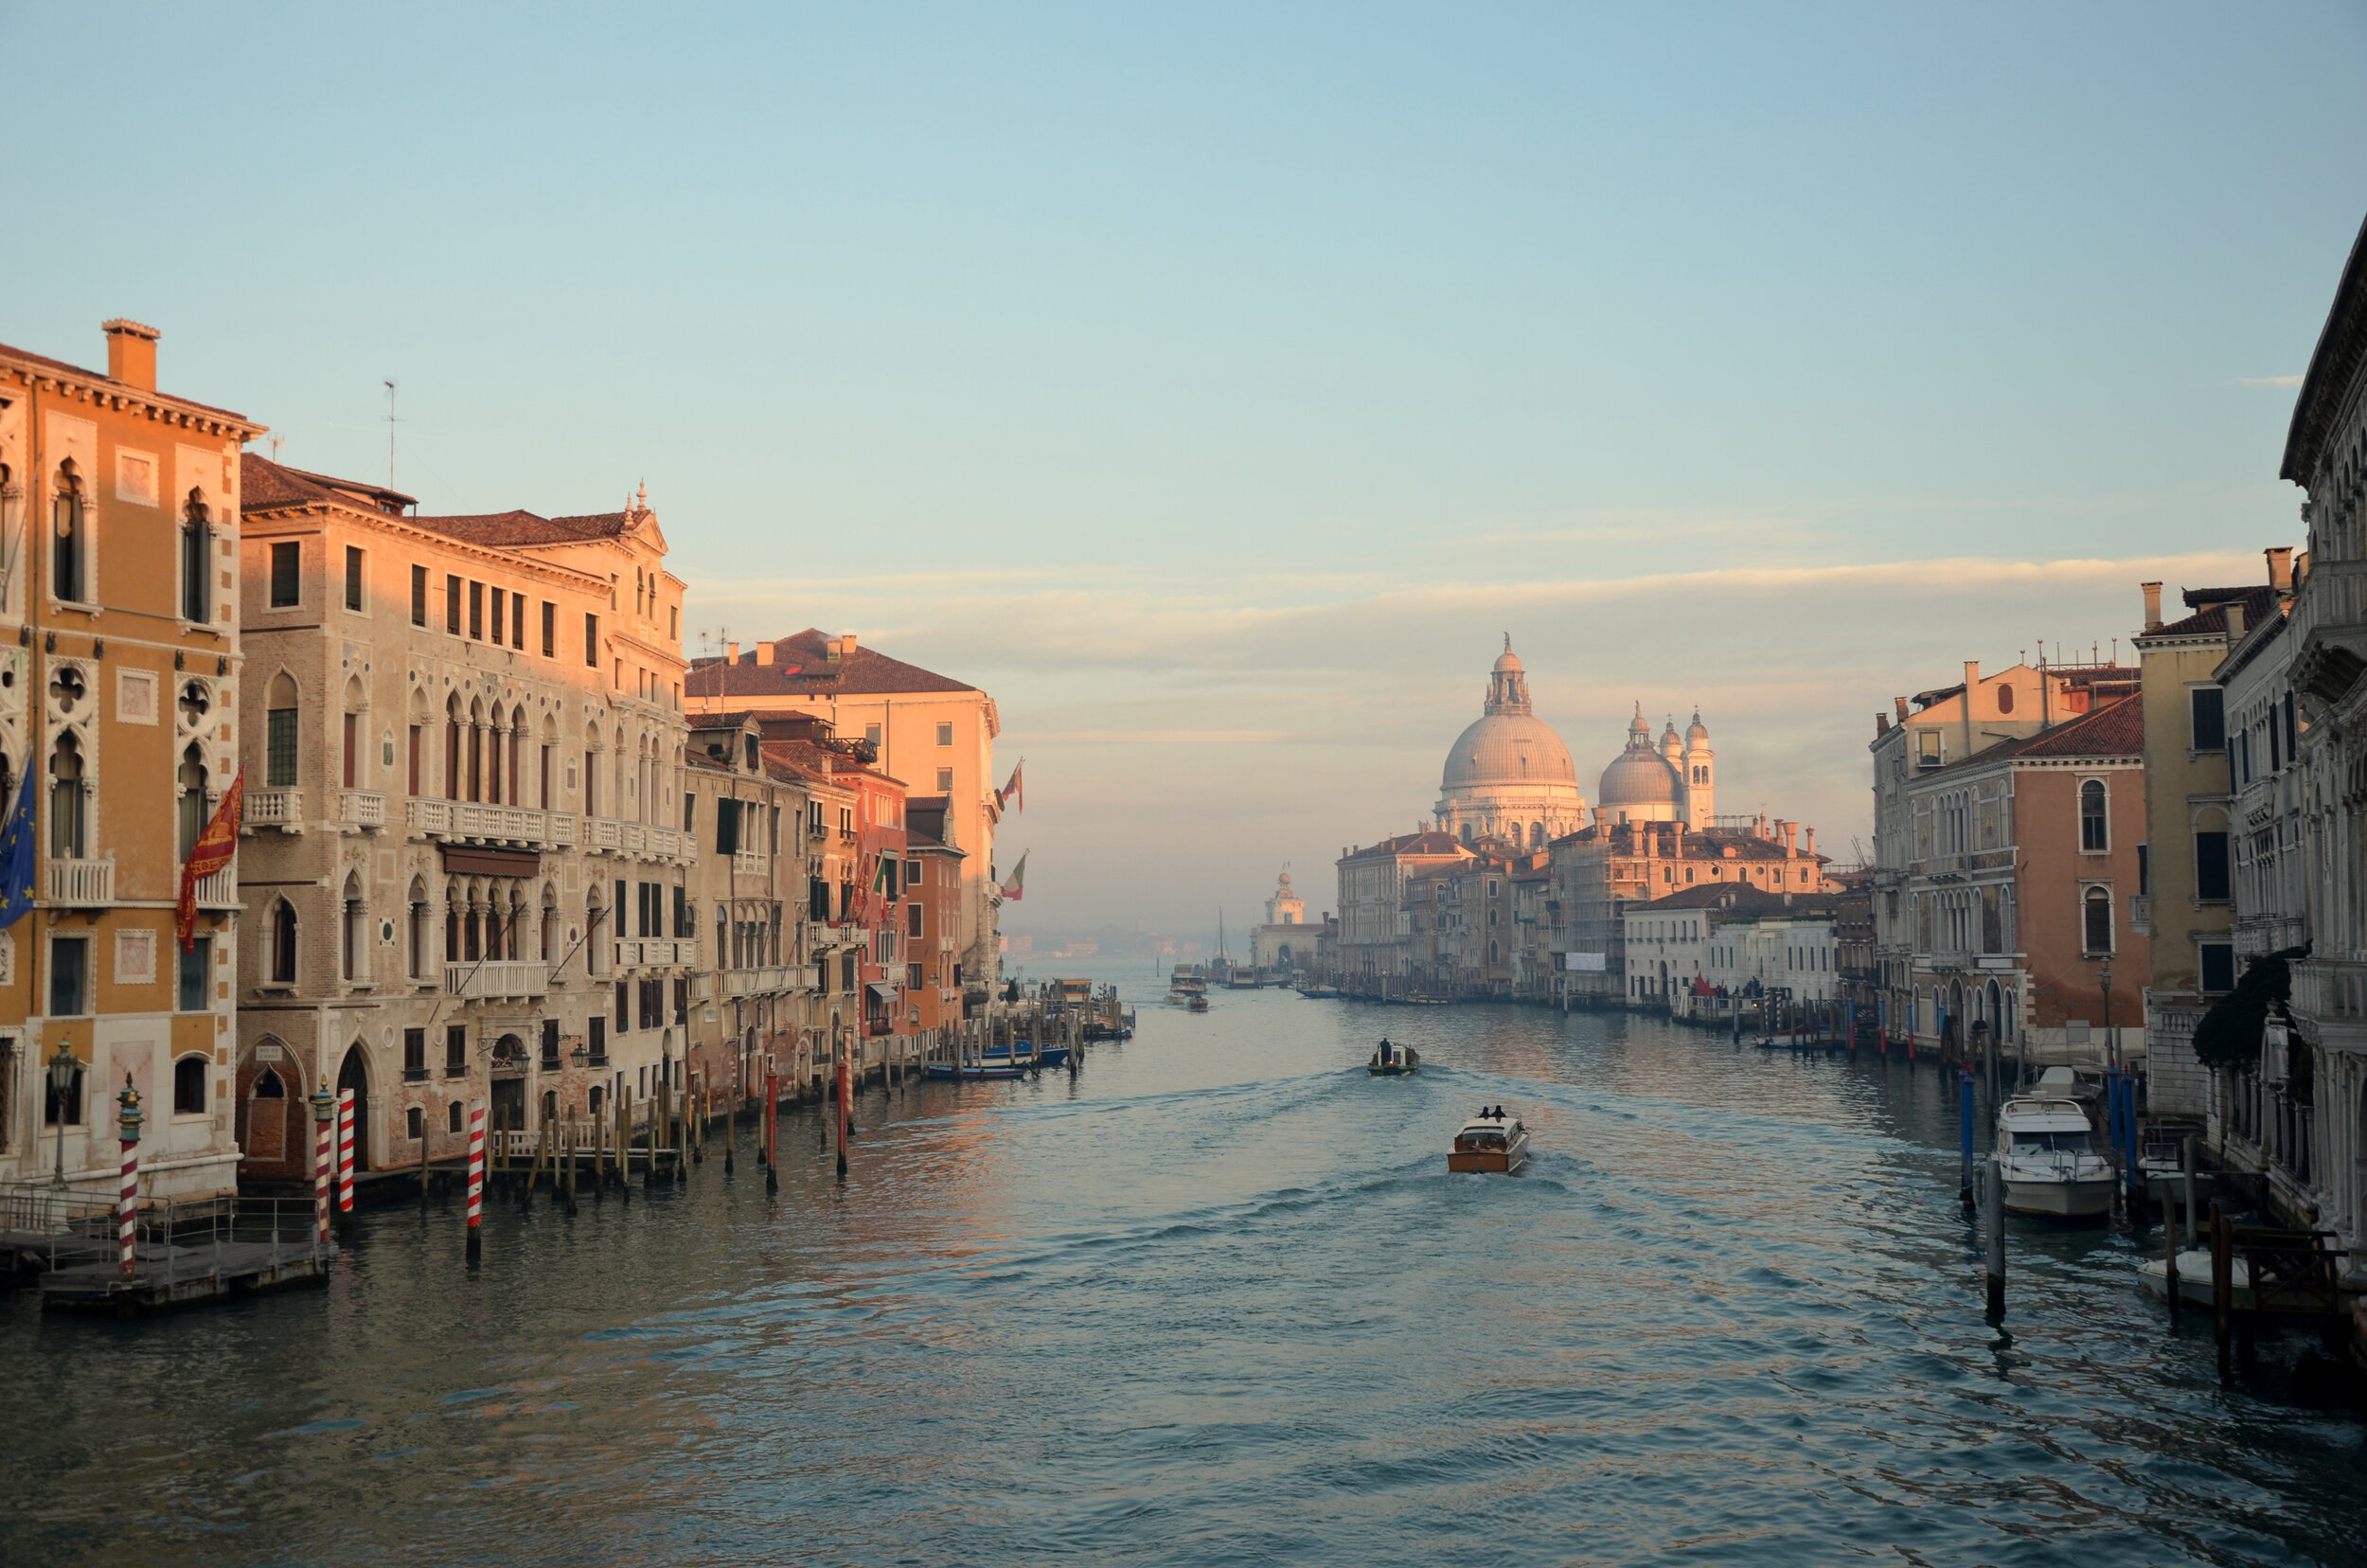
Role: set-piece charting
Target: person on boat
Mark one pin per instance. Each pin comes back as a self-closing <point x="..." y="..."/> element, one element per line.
<point x="1384" y="1051"/>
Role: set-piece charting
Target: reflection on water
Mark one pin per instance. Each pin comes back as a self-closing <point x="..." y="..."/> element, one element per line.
<point x="1216" y="1300"/>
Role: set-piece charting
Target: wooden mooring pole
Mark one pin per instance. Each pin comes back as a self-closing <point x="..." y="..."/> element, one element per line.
<point x="1994" y="1226"/>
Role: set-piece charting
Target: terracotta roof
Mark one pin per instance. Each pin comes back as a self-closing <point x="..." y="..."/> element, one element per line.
<point x="264" y="486"/>
<point x="1742" y="899"/>
<point x="2212" y="617"/>
<point x="1432" y="843"/>
<point x="105" y="380"/>
<point x="525" y="528"/>
<point x="801" y="664"/>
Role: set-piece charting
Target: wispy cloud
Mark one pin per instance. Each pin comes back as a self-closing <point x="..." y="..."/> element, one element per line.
<point x="2268" y="380"/>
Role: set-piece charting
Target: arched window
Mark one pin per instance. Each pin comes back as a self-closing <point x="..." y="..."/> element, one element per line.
<point x="191" y="804"/>
<point x="417" y="928"/>
<point x="283" y="943"/>
<point x="67" y="823"/>
<point x="70" y="527"/>
<point x="2096" y="920"/>
<point x="352" y="932"/>
<point x="282" y="744"/>
<point x="269" y="1086"/>
<point x="188" y="1086"/>
<point x="197" y="553"/>
<point x="451" y="747"/>
<point x="2094" y="838"/>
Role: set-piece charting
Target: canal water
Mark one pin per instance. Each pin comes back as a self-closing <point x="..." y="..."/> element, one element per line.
<point x="1216" y="1301"/>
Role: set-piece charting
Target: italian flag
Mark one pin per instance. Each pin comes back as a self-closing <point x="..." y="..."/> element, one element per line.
<point x="1010" y="796"/>
<point x="1016" y="887"/>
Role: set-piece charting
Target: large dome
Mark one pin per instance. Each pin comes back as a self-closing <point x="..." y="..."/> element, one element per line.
<point x="1508" y="748"/>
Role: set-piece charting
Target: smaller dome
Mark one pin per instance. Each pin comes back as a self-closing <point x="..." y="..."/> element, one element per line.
<point x="1670" y="746"/>
<point x="1639" y="777"/>
<point x="1639" y="727"/>
<point x="1698" y="733"/>
<point x="1286" y="878"/>
<point x="1508" y="661"/>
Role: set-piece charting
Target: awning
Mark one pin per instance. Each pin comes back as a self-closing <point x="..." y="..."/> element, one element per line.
<point x="490" y="863"/>
<point x="882" y="990"/>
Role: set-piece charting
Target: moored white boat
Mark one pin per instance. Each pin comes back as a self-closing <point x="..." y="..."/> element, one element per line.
<point x="2051" y="1168"/>
<point x="2194" y="1278"/>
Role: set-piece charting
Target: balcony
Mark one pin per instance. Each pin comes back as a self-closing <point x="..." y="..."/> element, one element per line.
<point x="748" y="863"/>
<point x="219" y="891"/>
<point x="496" y="980"/>
<point x="764" y="980"/>
<point x="279" y="808"/>
<point x="80" y="882"/>
<point x="657" y="951"/>
<point x="2330" y="988"/>
<point x="473" y="822"/>
<point x="362" y="810"/>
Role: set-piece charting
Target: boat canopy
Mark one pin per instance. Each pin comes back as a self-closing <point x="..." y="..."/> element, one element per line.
<point x="2043" y="1115"/>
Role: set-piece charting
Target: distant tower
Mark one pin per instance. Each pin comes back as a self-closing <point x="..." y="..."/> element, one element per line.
<point x="1286" y="907"/>
<point x="1701" y="771"/>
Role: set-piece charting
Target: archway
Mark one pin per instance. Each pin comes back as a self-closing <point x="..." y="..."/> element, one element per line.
<point x="355" y="1074"/>
<point x="510" y="1083"/>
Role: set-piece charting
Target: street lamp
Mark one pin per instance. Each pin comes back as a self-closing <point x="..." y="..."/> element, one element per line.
<point x="61" y="1070"/>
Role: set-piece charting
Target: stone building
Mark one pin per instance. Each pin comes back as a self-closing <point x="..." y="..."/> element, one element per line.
<point x="1373" y="942"/>
<point x="748" y="897"/>
<point x="931" y="732"/>
<point x="464" y="858"/>
<point x="1685" y="952"/>
<point x="2022" y="877"/>
<point x="1284" y="947"/>
<point x="2188" y="907"/>
<point x="120" y="669"/>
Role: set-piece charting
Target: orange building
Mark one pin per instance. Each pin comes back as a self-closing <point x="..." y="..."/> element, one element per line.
<point x="118" y="686"/>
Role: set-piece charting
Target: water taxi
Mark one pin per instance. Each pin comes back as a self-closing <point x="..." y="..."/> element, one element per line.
<point x="2049" y="1168"/>
<point x="1393" y="1060"/>
<point x="1491" y="1142"/>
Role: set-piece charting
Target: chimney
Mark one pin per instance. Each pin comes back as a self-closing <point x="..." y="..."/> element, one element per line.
<point x="2280" y="568"/>
<point x="1881" y="724"/>
<point x="1791" y="838"/>
<point x="1900" y="702"/>
<point x="731" y="653"/>
<point x="2300" y="567"/>
<point x="1811" y="844"/>
<point x="1972" y="680"/>
<point x="2153" y="604"/>
<point x="847" y="644"/>
<point x="130" y="353"/>
<point x="766" y="652"/>
<point x="2234" y="623"/>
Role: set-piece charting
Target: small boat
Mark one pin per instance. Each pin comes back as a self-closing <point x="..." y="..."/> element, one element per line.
<point x="1393" y="1060"/>
<point x="2194" y="1279"/>
<point x="2049" y="1168"/>
<point x="1491" y="1142"/>
<point x="1196" y="1003"/>
<point x="1318" y="992"/>
<point x="1002" y="1061"/>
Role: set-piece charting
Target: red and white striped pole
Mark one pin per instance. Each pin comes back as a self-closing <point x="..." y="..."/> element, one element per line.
<point x="345" y="1156"/>
<point x="476" y="1181"/>
<point x="128" y="1210"/>
<point x="323" y="1109"/>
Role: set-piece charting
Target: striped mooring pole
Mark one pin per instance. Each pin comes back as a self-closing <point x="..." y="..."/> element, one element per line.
<point x="323" y="1109"/>
<point x="345" y="1156"/>
<point x="476" y="1181"/>
<point x="128" y="1211"/>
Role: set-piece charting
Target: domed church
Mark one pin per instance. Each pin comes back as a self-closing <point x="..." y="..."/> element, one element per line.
<point x="1673" y="781"/>
<point x="1509" y="776"/>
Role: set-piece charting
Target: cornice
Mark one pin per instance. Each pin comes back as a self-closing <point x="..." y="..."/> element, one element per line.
<point x="118" y="397"/>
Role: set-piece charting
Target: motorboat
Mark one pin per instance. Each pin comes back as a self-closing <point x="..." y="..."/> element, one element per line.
<point x="1393" y="1060"/>
<point x="1319" y="993"/>
<point x="2194" y="1279"/>
<point x="1196" y="1002"/>
<point x="1002" y="1060"/>
<point x="1491" y="1141"/>
<point x="2051" y="1168"/>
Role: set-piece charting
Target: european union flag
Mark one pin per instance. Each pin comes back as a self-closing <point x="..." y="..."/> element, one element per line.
<point x="16" y="857"/>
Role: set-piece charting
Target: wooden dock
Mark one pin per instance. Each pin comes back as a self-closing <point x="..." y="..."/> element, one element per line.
<point x="80" y="1273"/>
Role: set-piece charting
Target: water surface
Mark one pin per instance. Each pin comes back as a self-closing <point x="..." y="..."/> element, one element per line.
<point x="1216" y="1300"/>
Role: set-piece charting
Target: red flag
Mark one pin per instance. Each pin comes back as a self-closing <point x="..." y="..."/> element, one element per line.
<point x="1010" y="796"/>
<point x="216" y="847"/>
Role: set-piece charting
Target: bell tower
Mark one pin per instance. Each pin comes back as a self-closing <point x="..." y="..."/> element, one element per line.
<point x="1701" y="775"/>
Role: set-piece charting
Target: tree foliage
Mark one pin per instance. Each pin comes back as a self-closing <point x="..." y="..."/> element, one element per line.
<point x="2228" y="1037"/>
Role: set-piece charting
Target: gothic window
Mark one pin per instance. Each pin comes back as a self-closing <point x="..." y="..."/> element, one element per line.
<point x="281" y="742"/>
<point x="192" y="805"/>
<point x="67" y="809"/>
<point x="70" y="527"/>
<point x="283" y="943"/>
<point x="197" y="551"/>
<point x="2096" y="920"/>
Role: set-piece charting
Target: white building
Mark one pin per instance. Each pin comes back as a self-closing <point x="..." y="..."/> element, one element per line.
<point x="1734" y="938"/>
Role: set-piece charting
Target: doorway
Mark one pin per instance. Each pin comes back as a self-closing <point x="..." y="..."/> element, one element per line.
<point x="355" y="1074"/>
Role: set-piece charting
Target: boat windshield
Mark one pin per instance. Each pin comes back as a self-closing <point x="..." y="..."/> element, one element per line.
<point x="1490" y="1139"/>
<point x="2029" y="1143"/>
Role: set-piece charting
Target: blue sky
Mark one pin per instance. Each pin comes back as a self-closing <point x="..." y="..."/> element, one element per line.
<point x="1215" y="384"/>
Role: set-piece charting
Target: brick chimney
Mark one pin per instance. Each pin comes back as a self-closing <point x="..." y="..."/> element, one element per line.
<point x="1881" y="724"/>
<point x="731" y="653"/>
<point x="766" y="652"/>
<point x="2153" y="604"/>
<point x="1900" y="702"/>
<point x="130" y="353"/>
<point x="2280" y="568"/>
<point x="2234" y="623"/>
